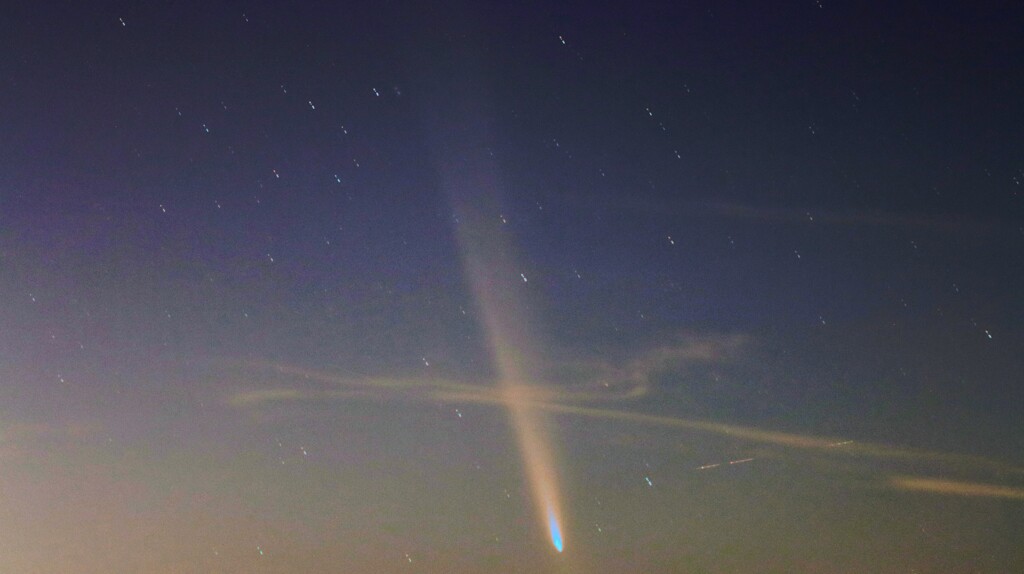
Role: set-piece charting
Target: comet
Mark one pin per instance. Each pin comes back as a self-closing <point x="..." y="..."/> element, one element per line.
<point x="500" y="290"/>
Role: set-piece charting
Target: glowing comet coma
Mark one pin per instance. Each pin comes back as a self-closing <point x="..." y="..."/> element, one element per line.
<point x="555" y="529"/>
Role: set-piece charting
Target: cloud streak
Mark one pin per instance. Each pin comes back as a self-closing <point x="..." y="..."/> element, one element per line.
<point x="599" y="381"/>
<point x="853" y="218"/>
<point x="605" y="396"/>
<point x="956" y="488"/>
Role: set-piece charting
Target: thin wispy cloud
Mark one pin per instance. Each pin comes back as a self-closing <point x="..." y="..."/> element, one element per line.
<point x="956" y="487"/>
<point x="608" y="396"/>
<point x="593" y="380"/>
<point x="853" y="218"/>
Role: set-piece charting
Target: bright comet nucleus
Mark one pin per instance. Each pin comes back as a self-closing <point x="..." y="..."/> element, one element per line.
<point x="555" y="529"/>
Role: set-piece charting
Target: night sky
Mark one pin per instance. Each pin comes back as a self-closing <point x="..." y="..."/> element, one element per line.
<point x="512" y="287"/>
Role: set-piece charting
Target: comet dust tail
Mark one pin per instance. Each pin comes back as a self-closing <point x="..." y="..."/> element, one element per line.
<point x="500" y="291"/>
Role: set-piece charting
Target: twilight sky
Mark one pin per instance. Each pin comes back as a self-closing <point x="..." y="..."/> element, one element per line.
<point x="511" y="287"/>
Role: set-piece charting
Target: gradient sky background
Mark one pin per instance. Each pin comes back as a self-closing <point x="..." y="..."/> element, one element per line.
<point x="237" y="333"/>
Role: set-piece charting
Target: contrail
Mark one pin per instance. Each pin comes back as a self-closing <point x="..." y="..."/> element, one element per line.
<point x="555" y="402"/>
<point x="956" y="487"/>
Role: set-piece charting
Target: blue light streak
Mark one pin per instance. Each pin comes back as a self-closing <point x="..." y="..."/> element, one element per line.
<point x="556" y="531"/>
